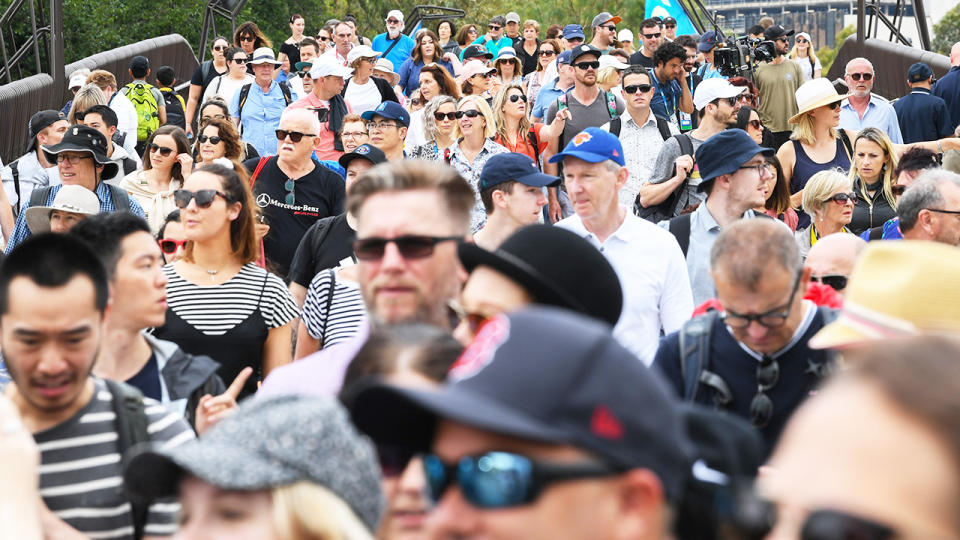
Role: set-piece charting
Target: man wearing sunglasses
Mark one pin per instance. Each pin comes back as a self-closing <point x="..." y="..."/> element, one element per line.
<point x="863" y="109"/>
<point x="394" y="44"/>
<point x="494" y="40"/>
<point x="650" y="36"/>
<point x="589" y="448"/>
<point x="604" y="31"/>
<point x="328" y="105"/>
<point x="777" y="82"/>
<point x="832" y="262"/>
<point x="752" y="358"/>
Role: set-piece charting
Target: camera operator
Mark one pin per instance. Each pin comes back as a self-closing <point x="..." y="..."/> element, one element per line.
<point x="777" y="81"/>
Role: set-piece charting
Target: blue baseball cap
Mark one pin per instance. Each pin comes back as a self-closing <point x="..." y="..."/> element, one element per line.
<point x="564" y="58"/>
<point x="513" y="166"/>
<point x="571" y="31"/>
<point x="919" y="72"/>
<point x="709" y="40"/>
<point x="594" y="145"/>
<point x="391" y="110"/>
<point x="724" y="153"/>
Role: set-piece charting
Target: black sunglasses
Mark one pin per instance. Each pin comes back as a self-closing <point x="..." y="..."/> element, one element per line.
<point x="652" y="36"/>
<point x="761" y="406"/>
<point x="323" y="38"/>
<point x="897" y="189"/>
<point x="755" y="123"/>
<point x="219" y="48"/>
<point x="204" y="197"/>
<point x="518" y="97"/>
<point x="836" y="281"/>
<point x="295" y="136"/>
<point x="213" y="140"/>
<point x="731" y="100"/>
<point x="239" y="61"/>
<point x="825" y="524"/>
<point x="594" y="64"/>
<point x="169" y="246"/>
<point x="409" y="246"/>
<point x="247" y="38"/>
<point x="865" y="76"/>
<point x="547" y="53"/>
<point x="448" y="116"/>
<point x="634" y="88"/>
<point x="164" y="151"/>
<point x="493" y="27"/>
<point x="472" y="113"/>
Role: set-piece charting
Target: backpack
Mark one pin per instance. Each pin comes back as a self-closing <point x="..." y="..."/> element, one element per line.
<point x="664" y="210"/>
<point x="175" y="108"/>
<point x="148" y="110"/>
<point x="132" y="422"/>
<point x="609" y="97"/>
<point x="121" y="199"/>
<point x="662" y="125"/>
<point x="680" y="229"/>
<point x="16" y="185"/>
<point x="245" y="91"/>
<point x="694" y="357"/>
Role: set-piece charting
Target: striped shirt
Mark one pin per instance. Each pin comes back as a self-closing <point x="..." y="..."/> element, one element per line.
<point x="80" y="469"/>
<point x="347" y="309"/>
<point x="215" y="309"/>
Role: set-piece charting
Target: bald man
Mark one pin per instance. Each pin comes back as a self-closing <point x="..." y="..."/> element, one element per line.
<point x="831" y="259"/>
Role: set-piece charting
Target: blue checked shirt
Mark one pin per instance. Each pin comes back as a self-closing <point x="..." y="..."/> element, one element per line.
<point x="21" y="232"/>
<point x="261" y="116"/>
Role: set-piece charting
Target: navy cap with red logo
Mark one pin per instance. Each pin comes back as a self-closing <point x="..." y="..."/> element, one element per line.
<point x="548" y="375"/>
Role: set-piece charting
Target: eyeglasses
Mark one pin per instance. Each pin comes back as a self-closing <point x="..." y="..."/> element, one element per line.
<point x="73" y="160"/>
<point x="783" y="40"/>
<point x="170" y="246"/>
<point x="493" y="27"/>
<point x="239" y="61"/>
<point x="204" y="197"/>
<point x="502" y="479"/>
<point x="473" y="31"/>
<point x="213" y="140"/>
<point x="670" y="26"/>
<point x="843" y="198"/>
<point x="409" y="246"/>
<point x="380" y="125"/>
<point x="219" y="48"/>
<point x="836" y="281"/>
<point x="652" y="36"/>
<point x="634" y="88"/>
<point x="449" y="116"/>
<point x="771" y="319"/>
<point x="295" y="136"/>
<point x="518" y="97"/>
<point x="353" y="134"/>
<point x="760" y="167"/>
<point x="470" y="113"/>
<point x="547" y="53"/>
<point x="392" y="21"/>
<point x="825" y="524"/>
<point x="897" y="189"/>
<point x="164" y="151"/>
<point x="801" y="40"/>
<point x="415" y="101"/>
<point x="858" y="76"/>
<point x="939" y="211"/>
<point x="587" y="65"/>
<point x="290" y="186"/>
<point x="755" y="124"/>
<point x="247" y="38"/>
<point x="761" y="406"/>
<point x="575" y="40"/>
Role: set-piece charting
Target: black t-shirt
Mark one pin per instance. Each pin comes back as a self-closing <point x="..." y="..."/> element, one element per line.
<point x="318" y="194"/>
<point x="639" y="58"/>
<point x="293" y="53"/>
<point x="325" y="245"/>
<point x="202" y="81"/>
<point x="148" y="379"/>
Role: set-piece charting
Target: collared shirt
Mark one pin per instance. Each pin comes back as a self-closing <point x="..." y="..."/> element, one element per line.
<point x="641" y="145"/>
<point x="704" y="231"/>
<point x="548" y="96"/>
<point x="261" y="116"/>
<point x="948" y="89"/>
<point x="879" y="114"/>
<point x="21" y="232"/>
<point x="656" y="292"/>
<point x="470" y="171"/>
<point x="333" y="54"/>
<point x="923" y="116"/>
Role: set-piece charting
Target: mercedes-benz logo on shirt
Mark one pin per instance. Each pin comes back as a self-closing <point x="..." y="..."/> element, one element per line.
<point x="263" y="200"/>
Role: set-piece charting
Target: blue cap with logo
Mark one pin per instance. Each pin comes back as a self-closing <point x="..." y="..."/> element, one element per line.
<point x="593" y="145"/>
<point x="919" y="72"/>
<point x="564" y="58"/>
<point x="513" y="166"/>
<point x="709" y="40"/>
<point x="364" y="151"/>
<point x="573" y="31"/>
<point x="391" y="110"/>
<point x="724" y="153"/>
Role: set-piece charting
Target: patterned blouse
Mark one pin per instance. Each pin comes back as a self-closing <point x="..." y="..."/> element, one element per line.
<point x="471" y="173"/>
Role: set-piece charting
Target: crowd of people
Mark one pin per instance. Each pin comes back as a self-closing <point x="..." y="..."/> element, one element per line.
<point x="484" y="280"/>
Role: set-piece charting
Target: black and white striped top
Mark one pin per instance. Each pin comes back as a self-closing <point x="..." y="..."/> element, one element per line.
<point x="347" y="310"/>
<point x="80" y="469"/>
<point x="215" y="309"/>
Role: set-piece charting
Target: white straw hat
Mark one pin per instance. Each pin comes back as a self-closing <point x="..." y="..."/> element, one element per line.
<point x="813" y="94"/>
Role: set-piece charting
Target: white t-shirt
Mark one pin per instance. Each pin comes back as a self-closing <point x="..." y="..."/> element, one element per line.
<point x="805" y="67"/>
<point x="126" y="114"/>
<point x="363" y="97"/>
<point x="225" y="87"/>
<point x="415" y="133"/>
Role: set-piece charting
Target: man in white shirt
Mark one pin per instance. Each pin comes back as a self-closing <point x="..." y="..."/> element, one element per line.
<point x="32" y="170"/>
<point x="126" y="112"/>
<point x="343" y="42"/>
<point x="650" y="265"/>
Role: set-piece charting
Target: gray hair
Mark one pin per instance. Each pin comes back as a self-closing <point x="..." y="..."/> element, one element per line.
<point x="846" y="69"/>
<point x="748" y="247"/>
<point x="429" y="122"/>
<point x="923" y="193"/>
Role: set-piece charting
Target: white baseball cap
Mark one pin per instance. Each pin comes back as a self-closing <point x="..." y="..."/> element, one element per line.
<point x="361" y="51"/>
<point x="396" y="14"/>
<point x="608" y="60"/>
<point x="326" y="66"/>
<point x="77" y="81"/>
<point x="625" y="35"/>
<point x="711" y="89"/>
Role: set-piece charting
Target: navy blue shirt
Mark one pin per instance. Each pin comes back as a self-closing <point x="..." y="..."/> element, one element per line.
<point x="948" y="89"/>
<point x="800" y="369"/>
<point x="923" y="117"/>
<point x="666" y="98"/>
<point x="148" y="379"/>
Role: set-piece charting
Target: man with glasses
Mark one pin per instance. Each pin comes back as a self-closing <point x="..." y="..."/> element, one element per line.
<point x="604" y="32"/>
<point x="777" y="82"/>
<point x="329" y="106"/>
<point x="669" y="29"/>
<point x="257" y="106"/>
<point x="494" y="40"/>
<point x="572" y="36"/>
<point x="591" y="447"/>
<point x="650" y="36"/>
<point x="930" y="208"/>
<point x="752" y="358"/>
<point x="863" y="109"/>
<point x="394" y="44"/>
<point x="387" y="125"/>
<point x="410" y="216"/>
<point x="291" y="189"/>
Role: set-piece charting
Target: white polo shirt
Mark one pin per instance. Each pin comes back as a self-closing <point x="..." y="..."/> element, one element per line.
<point x="653" y="275"/>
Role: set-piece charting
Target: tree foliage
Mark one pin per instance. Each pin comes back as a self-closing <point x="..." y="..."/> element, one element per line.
<point x="947" y="31"/>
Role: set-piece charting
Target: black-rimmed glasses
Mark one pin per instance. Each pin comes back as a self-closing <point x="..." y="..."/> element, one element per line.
<point x="770" y="319"/>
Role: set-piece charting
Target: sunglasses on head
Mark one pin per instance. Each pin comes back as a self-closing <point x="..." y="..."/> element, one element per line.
<point x="503" y="479"/>
<point x="843" y="198"/>
<point x="169" y="246"/>
<point x="239" y="61"/>
<point x="295" y="136"/>
<point x="204" y="197"/>
<point x="448" y="116"/>
<point x="518" y="97"/>
<point x="470" y="113"/>
<point x="594" y="64"/>
<point x="409" y="246"/>
<point x="858" y="76"/>
<point x="837" y="281"/>
<point x="634" y="88"/>
<point x="164" y="151"/>
<point x="547" y="53"/>
<point x="213" y="139"/>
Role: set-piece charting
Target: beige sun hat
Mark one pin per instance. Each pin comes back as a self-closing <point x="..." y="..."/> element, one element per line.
<point x="813" y="94"/>
<point x="385" y="67"/>
<point x="897" y="289"/>
<point x="71" y="198"/>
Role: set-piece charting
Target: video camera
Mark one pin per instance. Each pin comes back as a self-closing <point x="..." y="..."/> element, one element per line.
<point x="741" y="55"/>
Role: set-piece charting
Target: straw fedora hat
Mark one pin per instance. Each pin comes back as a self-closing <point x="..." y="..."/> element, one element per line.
<point x="897" y="289"/>
<point x="813" y="94"/>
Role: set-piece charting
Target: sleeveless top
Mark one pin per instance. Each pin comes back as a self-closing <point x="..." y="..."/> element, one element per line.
<point x="804" y="167"/>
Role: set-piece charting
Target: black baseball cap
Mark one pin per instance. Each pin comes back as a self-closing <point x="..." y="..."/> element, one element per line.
<point x="556" y="267"/>
<point x="364" y="151"/>
<point x="548" y="375"/>
<point x="476" y="51"/>
<point x="38" y="122"/>
<point x="581" y="50"/>
<point x="776" y="31"/>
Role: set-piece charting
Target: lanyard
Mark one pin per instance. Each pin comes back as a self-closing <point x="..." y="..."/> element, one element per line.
<point x="664" y="97"/>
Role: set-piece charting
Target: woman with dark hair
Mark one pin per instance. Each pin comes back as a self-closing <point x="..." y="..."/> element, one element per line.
<point x="166" y="162"/>
<point x="221" y="304"/>
<point x="249" y="37"/>
<point x="748" y="119"/>
<point x="435" y="81"/>
<point x="554" y="31"/>
<point x="547" y="53"/>
<point x="219" y="139"/>
<point x="290" y="49"/>
<point x="226" y="85"/>
<point x="426" y="51"/>
<point x="216" y="108"/>
<point x="778" y="197"/>
<point x="171" y="238"/>
<point x="203" y="75"/>
<point x="467" y="34"/>
<point x="446" y="31"/>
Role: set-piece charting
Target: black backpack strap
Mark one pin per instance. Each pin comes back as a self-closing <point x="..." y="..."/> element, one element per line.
<point x="285" y="89"/>
<point x="244" y="92"/>
<point x="132" y="422"/>
<point x="686" y="145"/>
<point x="16" y="184"/>
<point x="205" y="70"/>
<point x="664" y="126"/>
<point x="532" y="139"/>
<point x="876" y="233"/>
<point x="680" y="228"/>
<point x="846" y="143"/>
<point x="121" y="199"/>
<point x="615" y="126"/>
<point x="129" y="165"/>
<point x="695" y="337"/>
<point x="333" y="283"/>
<point x="39" y="196"/>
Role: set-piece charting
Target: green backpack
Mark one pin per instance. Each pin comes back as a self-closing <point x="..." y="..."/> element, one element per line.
<point x="148" y="115"/>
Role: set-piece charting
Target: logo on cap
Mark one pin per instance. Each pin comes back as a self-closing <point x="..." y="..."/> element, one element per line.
<point x="479" y="354"/>
<point x="76" y="131"/>
<point x="605" y="424"/>
<point x="382" y="106"/>
<point x="362" y="149"/>
<point x="581" y="138"/>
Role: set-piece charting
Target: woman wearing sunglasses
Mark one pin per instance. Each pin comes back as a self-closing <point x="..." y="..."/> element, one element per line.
<point x="435" y="81"/>
<point x="172" y="238"/>
<point x="226" y="85"/>
<point x="166" y="161"/>
<point x="828" y="199"/>
<point x="476" y="80"/>
<point x="803" y="54"/>
<point x="509" y="70"/>
<point x="219" y="139"/>
<point x="547" y="53"/>
<point x="221" y="303"/>
<point x="439" y="119"/>
<point x="467" y="34"/>
<point x="748" y="119"/>
<point x="514" y="130"/>
<point x="203" y="75"/>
